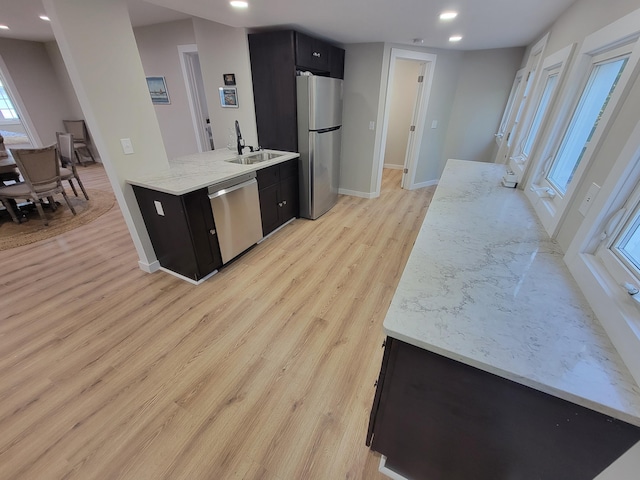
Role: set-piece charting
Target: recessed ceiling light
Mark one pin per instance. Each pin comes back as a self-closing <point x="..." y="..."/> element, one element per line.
<point x="448" y="15"/>
<point x="4" y="27"/>
<point x="455" y="38"/>
<point x="239" y="4"/>
<point x="45" y="18"/>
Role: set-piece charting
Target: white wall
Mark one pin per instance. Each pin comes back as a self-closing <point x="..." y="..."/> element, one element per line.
<point x="362" y="86"/>
<point x="470" y="132"/>
<point x="158" y="48"/>
<point x="91" y="30"/>
<point x="223" y="50"/>
<point x="403" y="99"/>
<point x="37" y="84"/>
<point x="482" y="90"/>
<point x="578" y="21"/>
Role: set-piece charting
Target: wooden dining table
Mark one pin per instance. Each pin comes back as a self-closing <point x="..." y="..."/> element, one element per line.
<point x="8" y="168"/>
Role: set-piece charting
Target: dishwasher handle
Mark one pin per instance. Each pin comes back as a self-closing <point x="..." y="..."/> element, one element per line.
<point x="238" y="186"/>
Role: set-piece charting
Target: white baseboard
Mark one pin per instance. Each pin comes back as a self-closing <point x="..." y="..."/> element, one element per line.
<point x="429" y="183"/>
<point x="382" y="468"/>
<point x="393" y="166"/>
<point x="353" y="193"/>
<point x="187" y="279"/>
<point x="149" y="267"/>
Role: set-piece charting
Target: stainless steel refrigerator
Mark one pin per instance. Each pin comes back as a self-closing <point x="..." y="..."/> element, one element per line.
<point x="319" y="140"/>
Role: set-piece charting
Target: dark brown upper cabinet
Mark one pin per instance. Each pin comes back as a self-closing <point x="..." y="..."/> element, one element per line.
<point x="275" y="59"/>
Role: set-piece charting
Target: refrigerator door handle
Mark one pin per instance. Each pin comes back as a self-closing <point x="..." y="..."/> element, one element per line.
<point x="325" y="130"/>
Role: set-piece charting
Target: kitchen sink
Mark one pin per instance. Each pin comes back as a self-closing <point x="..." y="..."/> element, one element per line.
<point x="257" y="157"/>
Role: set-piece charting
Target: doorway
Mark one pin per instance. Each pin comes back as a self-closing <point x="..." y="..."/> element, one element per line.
<point x="192" y="73"/>
<point x="407" y="100"/>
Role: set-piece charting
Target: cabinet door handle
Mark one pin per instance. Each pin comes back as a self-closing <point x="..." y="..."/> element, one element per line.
<point x="212" y="231"/>
<point x="317" y="54"/>
<point x="284" y="203"/>
<point x="280" y="204"/>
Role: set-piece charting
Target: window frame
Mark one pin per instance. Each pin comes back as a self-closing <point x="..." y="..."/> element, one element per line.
<point x="616" y="310"/>
<point x="551" y="207"/>
<point x="554" y="64"/>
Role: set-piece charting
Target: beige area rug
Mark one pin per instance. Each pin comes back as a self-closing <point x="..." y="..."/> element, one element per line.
<point x="62" y="220"/>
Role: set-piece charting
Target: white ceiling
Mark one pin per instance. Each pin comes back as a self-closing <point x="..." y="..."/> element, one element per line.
<point x="483" y="23"/>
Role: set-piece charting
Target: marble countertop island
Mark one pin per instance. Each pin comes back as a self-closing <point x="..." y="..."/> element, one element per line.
<point x="193" y="172"/>
<point x="485" y="285"/>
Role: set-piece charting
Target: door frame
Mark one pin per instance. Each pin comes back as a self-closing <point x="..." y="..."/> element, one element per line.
<point x="419" y="115"/>
<point x="193" y="95"/>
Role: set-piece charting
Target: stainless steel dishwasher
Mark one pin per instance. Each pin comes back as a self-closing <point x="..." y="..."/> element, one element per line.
<point x="236" y="213"/>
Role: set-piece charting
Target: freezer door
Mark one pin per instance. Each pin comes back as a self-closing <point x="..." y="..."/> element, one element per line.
<point x="320" y="98"/>
<point x="321" y="173"/>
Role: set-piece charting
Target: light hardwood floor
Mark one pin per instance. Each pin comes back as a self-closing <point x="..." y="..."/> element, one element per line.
<point x="265" y="371"/>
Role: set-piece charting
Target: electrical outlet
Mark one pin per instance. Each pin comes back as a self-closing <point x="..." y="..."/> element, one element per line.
<point x="589" y="198"/>
<point x="372" y="125"/>
<point x="159" y="209"/>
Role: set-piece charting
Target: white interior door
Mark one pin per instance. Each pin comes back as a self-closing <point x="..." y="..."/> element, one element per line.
<point x="424" y="81"/>
<point x="194" y="84"/>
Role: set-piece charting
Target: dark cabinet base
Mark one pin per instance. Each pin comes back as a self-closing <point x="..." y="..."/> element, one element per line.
<point x="183" y="236"/>
<point x="278" y="192"/>
<point x="436" y="418"/>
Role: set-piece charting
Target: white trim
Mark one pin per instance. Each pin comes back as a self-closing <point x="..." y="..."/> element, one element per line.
<point x="555" y="61"/>
<point x="392" y="166"/>
<point x="429" y="183"/>
<point x="382" y="468"/>
<point x="613" y="309"/>
<point x="187" y="279"/>
<point x="354" y="193"/>
<point x="508" y="125"/>
<point x="422" y="101"/>
<point x="149" y="267"/>
<point x="192" y="95"/>
<point x="551" y="212"/>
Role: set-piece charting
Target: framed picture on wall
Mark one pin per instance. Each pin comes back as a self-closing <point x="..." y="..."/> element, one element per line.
<point x="158" y="90"/>
<point x="229" y="97"/>
<point x="229" y="78"/>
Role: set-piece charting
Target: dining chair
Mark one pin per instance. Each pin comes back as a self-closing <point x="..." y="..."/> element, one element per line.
<point x="40" y="170"/>
<point x="68" y="169"/>
<point x="78" y="129"/>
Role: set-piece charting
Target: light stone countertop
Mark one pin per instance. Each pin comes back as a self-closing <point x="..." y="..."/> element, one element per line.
<point x="485" y="285"/>
<point x="193" y="172"/>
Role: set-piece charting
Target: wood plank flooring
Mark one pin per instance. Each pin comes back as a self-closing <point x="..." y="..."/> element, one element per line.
<point x="265" y="371"/>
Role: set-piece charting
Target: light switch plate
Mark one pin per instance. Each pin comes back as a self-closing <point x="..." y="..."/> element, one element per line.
<point x="434" y="124"/>
<point x="127" y="146"/>
<point x="372" y="125"/>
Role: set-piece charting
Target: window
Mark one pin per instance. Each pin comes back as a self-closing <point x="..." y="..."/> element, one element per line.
<point x="605" y="253"/>
<point x="587" y="105"/>
<point x="547" y="92"/>
<point x="7" y="110"/>
<point x="515" y="90"/>
<point x="603" y="79"/>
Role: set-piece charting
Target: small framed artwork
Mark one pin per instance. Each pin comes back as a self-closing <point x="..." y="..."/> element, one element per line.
<point x="229" y="78"/>
<point x="158" y="90"/>
<point x="229" y="97"/>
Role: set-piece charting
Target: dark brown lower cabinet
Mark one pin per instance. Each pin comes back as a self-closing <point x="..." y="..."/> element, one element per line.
<point x="182" y="231"/>
<point x="437" y="418"/>
<point x="278" y="192"/>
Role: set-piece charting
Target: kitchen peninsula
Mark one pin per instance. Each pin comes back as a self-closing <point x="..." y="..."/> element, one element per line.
<point x="495" y="365"/>
<point x="207" y="208"/>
